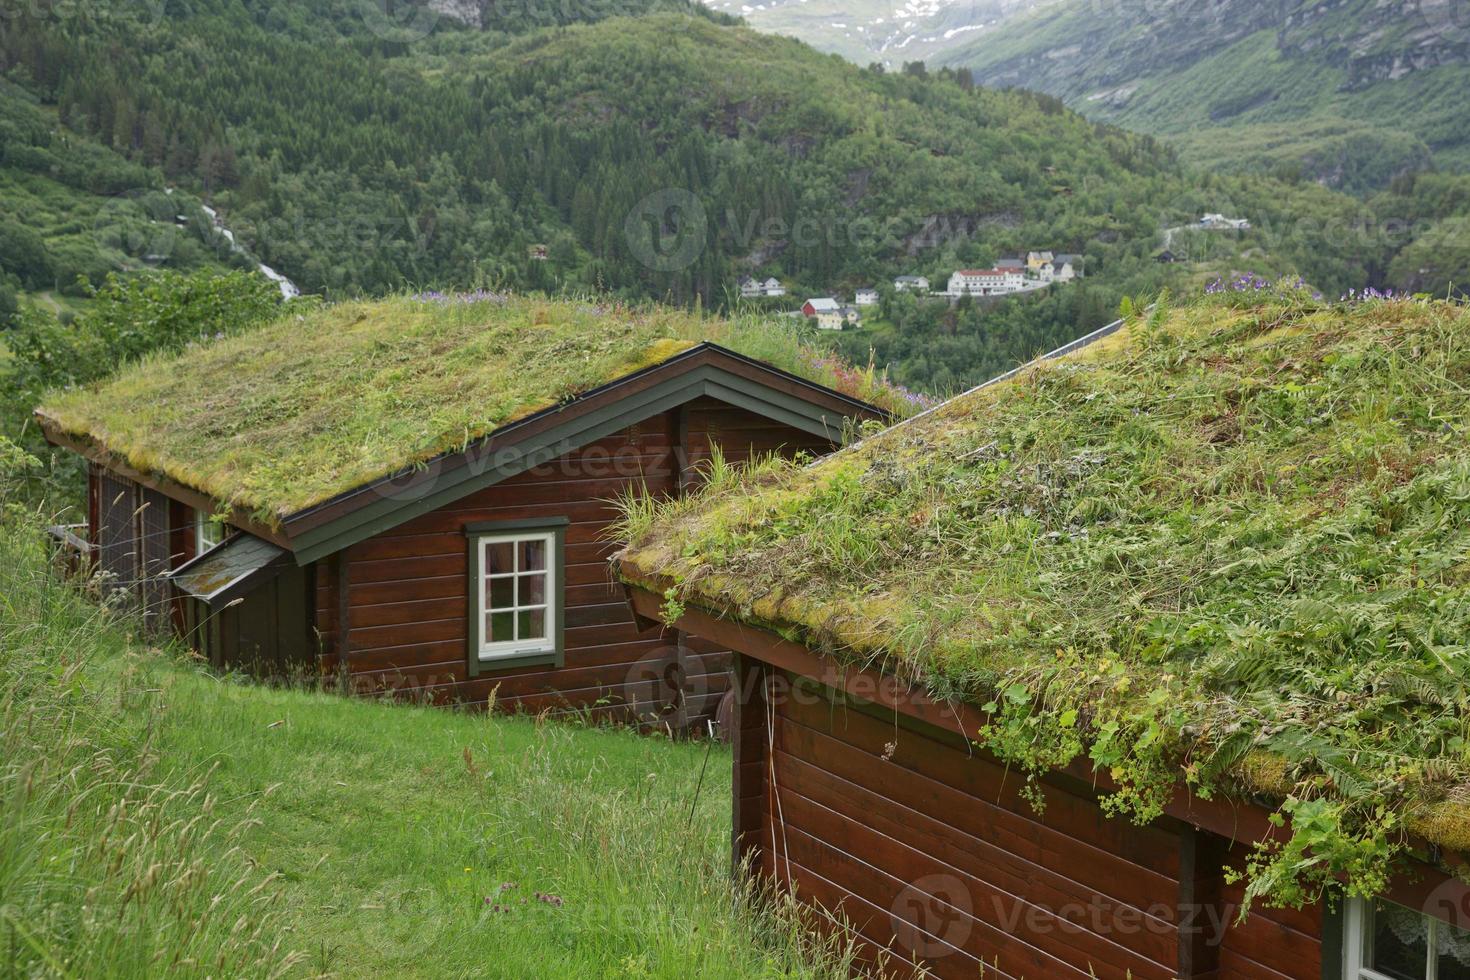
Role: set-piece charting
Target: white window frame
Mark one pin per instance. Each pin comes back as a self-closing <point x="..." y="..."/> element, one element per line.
<point x="490" y="652"/>
<point x="205" y="530"/>
<point x="1357" y="934"/>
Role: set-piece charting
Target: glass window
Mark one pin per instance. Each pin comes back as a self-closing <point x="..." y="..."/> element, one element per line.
<point x="1390" y="942"/>
<point x="517" y="593"/>
<point x="207" y="533"/>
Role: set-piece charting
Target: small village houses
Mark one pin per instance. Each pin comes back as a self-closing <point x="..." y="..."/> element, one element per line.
<point x="915" y="284"/>
<point x="825" y="312"/>
<point x="865" y="296"/>
<point x="985" y="282"/>
<point x="751" y="288"/>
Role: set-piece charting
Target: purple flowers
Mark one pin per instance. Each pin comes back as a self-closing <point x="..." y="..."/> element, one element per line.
<point x="1290" y="289"/>
<point x="854" y="381"/>
<point x="1364" y="295"/>
<point x="444" y="299"/>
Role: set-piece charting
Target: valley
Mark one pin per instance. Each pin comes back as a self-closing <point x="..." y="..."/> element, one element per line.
<point x="659" y="151"/>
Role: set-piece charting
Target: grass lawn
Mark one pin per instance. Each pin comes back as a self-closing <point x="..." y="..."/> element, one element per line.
<point x="155" y="819"/>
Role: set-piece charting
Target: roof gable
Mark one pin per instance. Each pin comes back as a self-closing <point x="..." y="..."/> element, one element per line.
<point x="706" y="370"/>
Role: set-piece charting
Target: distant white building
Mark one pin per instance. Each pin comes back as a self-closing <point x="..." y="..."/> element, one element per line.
<point x="985" y="282"/>
<point x="1066" y="267"/>
<point x="1039" y="265"/>
<point x="917" y="284"/>
<point x="865" y="296"/>
<point x="755" y="288"/>
<point x="1218" y="222"/>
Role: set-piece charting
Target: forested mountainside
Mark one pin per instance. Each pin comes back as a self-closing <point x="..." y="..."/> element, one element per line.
<point x="663" y="154"/>
<point x="1351" y="93"/>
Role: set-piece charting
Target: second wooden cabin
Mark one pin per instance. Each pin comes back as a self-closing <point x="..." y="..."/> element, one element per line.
<point x="414" y="496"/>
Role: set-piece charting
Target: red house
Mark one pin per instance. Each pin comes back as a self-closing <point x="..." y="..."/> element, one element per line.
<point x="1057" y="678"/>
<point x="416" y="495"/>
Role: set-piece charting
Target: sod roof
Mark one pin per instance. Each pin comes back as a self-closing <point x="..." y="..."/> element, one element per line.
<point x="315" y="404"/>
<point x="1231" y="541"/>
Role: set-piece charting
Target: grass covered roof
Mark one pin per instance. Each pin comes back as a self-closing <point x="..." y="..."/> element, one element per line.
<point x="1230" y="543"/>
<point x="286" y="416"/>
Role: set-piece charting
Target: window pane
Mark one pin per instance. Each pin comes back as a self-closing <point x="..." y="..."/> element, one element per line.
<point x="1400" y="942"/>
<point x="531" y="590"/>
<point x="498" y="557"/>
<point x="533" y="555"/>
<point x="531" y="624"/>
<point x="1453" y="946"/>
<point x="500" y="627"/>
<point x="499" y="595"/>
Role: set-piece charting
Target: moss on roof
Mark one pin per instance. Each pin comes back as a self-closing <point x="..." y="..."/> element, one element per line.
<point x="315" y="404"/>
<point x="1232" y="544"/>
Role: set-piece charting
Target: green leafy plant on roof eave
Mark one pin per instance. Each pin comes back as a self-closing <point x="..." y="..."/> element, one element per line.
<point x="1228" y="549"/>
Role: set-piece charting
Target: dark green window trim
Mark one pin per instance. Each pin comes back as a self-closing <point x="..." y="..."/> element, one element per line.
<point x="556" y="595"/>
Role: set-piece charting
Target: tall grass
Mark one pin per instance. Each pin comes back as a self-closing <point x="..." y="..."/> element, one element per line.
<point x="156" y="820"/>
<point x="107" y="868"/>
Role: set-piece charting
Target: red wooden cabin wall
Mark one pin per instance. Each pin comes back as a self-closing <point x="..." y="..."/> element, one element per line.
<point x="406" y="587"/>
<point x="928" y="850"/>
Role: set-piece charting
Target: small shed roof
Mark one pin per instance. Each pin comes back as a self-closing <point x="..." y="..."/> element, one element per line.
<point x="1236" y="532"/>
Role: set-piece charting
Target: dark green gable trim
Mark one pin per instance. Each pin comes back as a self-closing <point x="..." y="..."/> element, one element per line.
<point x="432" y="488"/>
<point x="475" y="626"/>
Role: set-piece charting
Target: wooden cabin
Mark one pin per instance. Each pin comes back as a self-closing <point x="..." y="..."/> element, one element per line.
<point x="472" y="575"/>
<point x="864" y="780"/>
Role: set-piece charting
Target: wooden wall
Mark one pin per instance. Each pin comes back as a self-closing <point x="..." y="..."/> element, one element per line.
<point x="406" y="587"/>
<point x="927" y="849"/>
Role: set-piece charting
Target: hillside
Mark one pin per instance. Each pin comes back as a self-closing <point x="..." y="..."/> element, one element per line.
<point x="1350" y="93"/>
<point x="659" y="155"/>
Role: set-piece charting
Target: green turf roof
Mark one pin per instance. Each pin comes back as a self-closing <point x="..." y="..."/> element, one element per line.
<point x="316" y="404"/>
<point x="1230" y="541"/>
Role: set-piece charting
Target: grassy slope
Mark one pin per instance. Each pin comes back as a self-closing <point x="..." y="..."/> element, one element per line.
<point x="146" y="806"/>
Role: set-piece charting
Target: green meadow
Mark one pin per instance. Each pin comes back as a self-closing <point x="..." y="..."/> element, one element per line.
<point x="156" y="819"/>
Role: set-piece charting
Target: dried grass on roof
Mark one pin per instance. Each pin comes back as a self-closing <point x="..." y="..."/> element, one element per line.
<point x="316" y="404"/>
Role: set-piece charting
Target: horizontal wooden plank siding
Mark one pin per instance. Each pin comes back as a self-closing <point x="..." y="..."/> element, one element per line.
<point x="950" y="864"/>
<point x="407" y="600"/>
